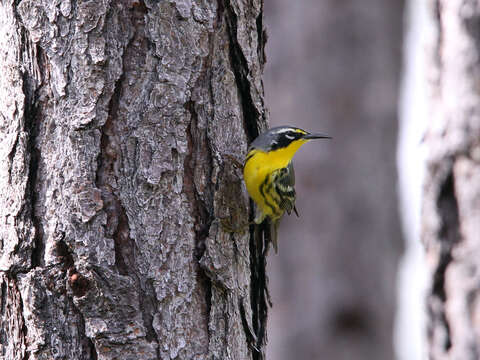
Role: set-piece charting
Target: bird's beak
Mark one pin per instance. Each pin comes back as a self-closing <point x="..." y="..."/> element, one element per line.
<point x="316" y="136"/>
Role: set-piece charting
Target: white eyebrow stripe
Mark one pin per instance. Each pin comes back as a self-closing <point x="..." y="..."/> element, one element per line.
<point x="281" y="131"/>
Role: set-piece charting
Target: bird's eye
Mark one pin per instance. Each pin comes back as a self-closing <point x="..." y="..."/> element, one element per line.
<point x="290" y="137"/>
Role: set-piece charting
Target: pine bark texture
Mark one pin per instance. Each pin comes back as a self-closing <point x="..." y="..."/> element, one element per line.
<point x="118" y="122"/>
<point x="451" y="204"/>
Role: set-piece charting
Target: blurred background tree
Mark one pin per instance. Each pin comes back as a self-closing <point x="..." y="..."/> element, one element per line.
<point x="334" y="66"/>
<point x="451" y="201"/>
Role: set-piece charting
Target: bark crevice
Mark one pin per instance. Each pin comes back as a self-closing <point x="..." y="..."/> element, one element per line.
<point x="449" y="235"/>
<point x="31" y="124"/>
<point x="117" y="226"/>
<point x="109" y="160"/>
<point x="117" y="222"/>
<point x="88" y="342"/>
<point x="449" y="232"/>
<point x="262" y="38"/>
<point x="201" y="214"/>
<point x="79" y="286"/>
<point x="241" y="71"/>
<point x="93" y="349"/>
<point x="259" y="234"/>
<point x="203" y="217"/>
<point x="31" y="79"/>
<point x="259" y="296"/>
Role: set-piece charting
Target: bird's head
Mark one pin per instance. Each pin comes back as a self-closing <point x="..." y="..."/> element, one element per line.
<point x="284" y="137"/>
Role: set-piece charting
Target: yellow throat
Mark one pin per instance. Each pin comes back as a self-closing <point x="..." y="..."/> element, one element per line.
<point x="260" y="164"/>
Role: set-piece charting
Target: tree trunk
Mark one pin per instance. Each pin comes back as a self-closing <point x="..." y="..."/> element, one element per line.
<point x="119" y="122"/>
<point x="451" y="205"/>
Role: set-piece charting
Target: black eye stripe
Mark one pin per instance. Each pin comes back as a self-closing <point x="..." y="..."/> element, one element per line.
<point x="284" y="139"/>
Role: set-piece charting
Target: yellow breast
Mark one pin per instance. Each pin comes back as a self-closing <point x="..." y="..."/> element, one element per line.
<point x="260" y="164"/>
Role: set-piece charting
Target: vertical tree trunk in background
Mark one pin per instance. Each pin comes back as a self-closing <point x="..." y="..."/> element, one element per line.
<point x="115" y="121"/>
<point x="451" y="205"/>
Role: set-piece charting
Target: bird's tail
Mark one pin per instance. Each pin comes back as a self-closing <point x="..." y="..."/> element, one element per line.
<point x="274" y="234"/>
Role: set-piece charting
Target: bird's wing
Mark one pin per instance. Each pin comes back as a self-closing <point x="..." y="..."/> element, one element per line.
<point x="285" y="188"/>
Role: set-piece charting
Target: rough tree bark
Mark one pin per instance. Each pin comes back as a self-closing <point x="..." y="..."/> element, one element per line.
<point x="451" y="204"/>
<point x="118" y="122"/>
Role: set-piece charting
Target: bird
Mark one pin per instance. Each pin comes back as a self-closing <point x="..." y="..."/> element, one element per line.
<point x="269" y="175"/>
